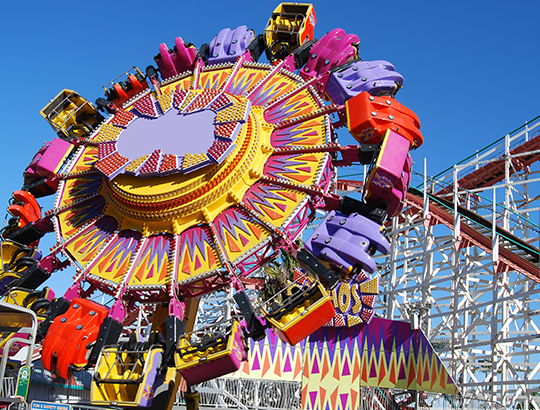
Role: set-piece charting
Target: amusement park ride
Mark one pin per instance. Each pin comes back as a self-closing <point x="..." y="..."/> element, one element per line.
<point x="187" y="180"/>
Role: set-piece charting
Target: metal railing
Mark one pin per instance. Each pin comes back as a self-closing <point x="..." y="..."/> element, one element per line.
<point x="496" y="212"/>
<point x="233" y="393"/>
<point x="8" y="387"/>
<point x="495" y="150"/>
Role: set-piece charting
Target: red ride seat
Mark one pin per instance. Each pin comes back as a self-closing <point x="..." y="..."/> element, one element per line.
<point x="71" y="335"/>
<point x="369" y="117"/>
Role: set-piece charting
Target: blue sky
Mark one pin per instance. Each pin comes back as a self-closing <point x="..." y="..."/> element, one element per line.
<point x="471" y="68"/>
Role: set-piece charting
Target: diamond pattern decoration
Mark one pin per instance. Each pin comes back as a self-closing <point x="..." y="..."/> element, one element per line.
<point x="151" y="165"/>
<point x="193" y="162"/>
<point x="106" y="149"/>
<point x="231" y="112"/>
<point x="168" y="163"/>
<point x="179" y="98"/>
<point x="122" y="118"/>
<point x="229" y="130"/>
<point x="112" y="165"/>
<point x="236" y="112"/>
<point x="202" y="101"/>
<point x="146" y="106"/>
<point x="219" y="150"/>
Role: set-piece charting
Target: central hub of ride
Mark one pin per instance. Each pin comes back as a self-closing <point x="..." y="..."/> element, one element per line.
<point x="174" y="133"/>
<point x="181" y="156"/>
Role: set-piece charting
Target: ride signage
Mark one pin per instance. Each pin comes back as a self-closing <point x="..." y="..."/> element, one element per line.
<point x="23" y="381"/>
<point x="45" y="405"/>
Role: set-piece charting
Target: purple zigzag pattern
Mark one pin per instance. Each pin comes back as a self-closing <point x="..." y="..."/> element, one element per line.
<point x="85" y="211"/>
<point x="283" y="110"/>
<point x="281" y="164"/>
<point x="195" y="238"/>
<point x="101" y="229"/>
<point x="381" y="336"/>
<point x="288" y="135"/>
<point x="123" y="247"/>
<point x="159" y="246"/>
<point x="262" y="193"/>
<point x="85" y="186"/>
<point x="266" y="93"/>
<point x="213" y="80"/>
<point x="393" y="335"/>
<point x="243" y="84"/>
<point x="425" y="348"/>
<point x="274" y="342"/>
<point x="229" y="219"/>
<point x="372" y="340"/>
<point x="313" y="346"/>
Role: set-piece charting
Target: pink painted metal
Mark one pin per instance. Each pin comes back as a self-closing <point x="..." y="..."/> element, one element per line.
<point x="334" y="49"/>
<point x="48" y="159"/>
<point x="174" y="62"/>
<point x="389" y="177"/>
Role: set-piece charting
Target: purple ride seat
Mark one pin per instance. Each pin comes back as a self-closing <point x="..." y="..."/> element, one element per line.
<point x="229" y="44"/>
<point x="376" y="77"/>
<point x="343" y="240"/>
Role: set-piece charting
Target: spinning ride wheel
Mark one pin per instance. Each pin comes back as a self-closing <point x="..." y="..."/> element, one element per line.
<point x="196" y="183"/>
<point x="193" y="183"/>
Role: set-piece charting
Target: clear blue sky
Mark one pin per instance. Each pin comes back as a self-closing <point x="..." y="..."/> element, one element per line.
<point x="471" y="68"/>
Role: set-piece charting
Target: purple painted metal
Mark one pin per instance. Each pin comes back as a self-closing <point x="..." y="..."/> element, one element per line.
<point x="376" y="77"/>
<point x="229" y="44"/>
<point x="343" y="240"/>
<point x="152" y="379"/>
<point x="334" y="49"/>
<point x="171" y="63"/>
<point x="129" y="361"/>
<point x="389" y="178"/>
<point x="4" y="282"/>
<point x="171" y="133"/>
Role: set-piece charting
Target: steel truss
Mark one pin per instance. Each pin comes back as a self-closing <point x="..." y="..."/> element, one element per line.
<point x="475" y="294"/>
<point x="465" y="263"/>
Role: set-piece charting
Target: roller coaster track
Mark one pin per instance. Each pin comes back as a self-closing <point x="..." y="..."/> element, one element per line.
<point x="494" y="171"/>
<point x="514" y="252"/>
<point x="463" y="261"/>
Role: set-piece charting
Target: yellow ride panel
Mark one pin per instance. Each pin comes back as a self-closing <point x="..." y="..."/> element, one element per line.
<point x="213" y="79"/>
<point x="195" y="253"/>
<point x="127" y="378"/>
